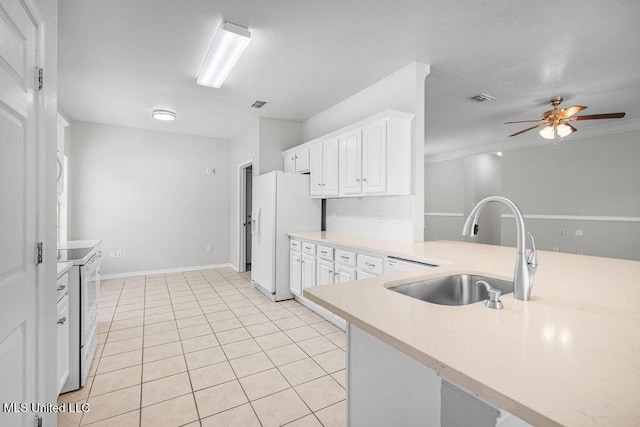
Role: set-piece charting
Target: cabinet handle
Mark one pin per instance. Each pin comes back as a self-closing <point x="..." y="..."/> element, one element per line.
<point x="346" y="258"/>
<point x="357" y="179"/>
<point x="368" y="264"/>
<point x="364" y="179"/>
<point x="319" y="184"/>
<point x="323" y="184"/>
<point x="330" y="272"/>
<point x="61" y="287"/>
<point x="61" y="321"/>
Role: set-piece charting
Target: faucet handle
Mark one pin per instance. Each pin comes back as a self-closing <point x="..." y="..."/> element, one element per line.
<point x="532" y="259"/>
<point x="494" y="295"/>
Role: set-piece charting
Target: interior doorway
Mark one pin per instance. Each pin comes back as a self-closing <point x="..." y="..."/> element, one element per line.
<point x="245" y="181"/>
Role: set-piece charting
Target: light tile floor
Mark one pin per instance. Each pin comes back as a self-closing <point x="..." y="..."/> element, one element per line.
<point x="205" y="348"/>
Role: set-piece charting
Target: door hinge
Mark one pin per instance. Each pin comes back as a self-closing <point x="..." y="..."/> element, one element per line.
<point x="37" y="422"/>
<point x="39" y="253"/>
<point x="40" y="78"/>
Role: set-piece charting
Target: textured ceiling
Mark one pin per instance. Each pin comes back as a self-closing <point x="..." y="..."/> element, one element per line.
<point x="119" y="59"/>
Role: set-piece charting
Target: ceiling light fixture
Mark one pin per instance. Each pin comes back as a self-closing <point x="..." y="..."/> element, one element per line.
<point x="499" y="154"/>
<point x="229" y="43"/>
<point x="550" y="132"/>
<point x="164" y="115"/>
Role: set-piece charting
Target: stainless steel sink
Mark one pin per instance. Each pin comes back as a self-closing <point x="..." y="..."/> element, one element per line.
<point x="460" y="289"/>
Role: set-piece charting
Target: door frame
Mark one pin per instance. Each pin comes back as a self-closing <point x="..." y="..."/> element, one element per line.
<point x="242" y="213"/>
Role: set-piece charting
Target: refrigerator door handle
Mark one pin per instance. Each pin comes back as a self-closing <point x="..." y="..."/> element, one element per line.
<point x="260" y="221"/>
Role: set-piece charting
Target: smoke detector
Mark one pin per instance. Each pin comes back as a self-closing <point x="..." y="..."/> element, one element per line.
<point x="258" y="104"/>
<point x="482" y="97"/>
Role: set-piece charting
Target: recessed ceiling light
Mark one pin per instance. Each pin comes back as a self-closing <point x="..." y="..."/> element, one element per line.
<point x="164" y="115"/>
<point x="499" y="154"/>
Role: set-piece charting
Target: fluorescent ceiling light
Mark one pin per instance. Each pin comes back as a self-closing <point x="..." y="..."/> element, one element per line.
<point x="228" y="45"/>
<point x="163" y="115"/>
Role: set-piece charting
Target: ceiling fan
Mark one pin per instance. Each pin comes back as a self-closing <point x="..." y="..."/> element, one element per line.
<point x="556" y="120"/>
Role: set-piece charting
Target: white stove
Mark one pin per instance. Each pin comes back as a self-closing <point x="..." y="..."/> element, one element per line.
<point x="84" y="284"/>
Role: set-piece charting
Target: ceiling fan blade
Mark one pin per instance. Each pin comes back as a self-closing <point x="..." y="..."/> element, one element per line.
<point x="572" y="128"/>
<point x="528" y="129"/>
<point x="598" y="116"/>
<point x="568" y="112"/>
<point x="524" y="121"/>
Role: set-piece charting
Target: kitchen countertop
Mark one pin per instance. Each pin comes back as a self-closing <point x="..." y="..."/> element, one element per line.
<point x="63" y="267"/>
<point x="570" y="356"/>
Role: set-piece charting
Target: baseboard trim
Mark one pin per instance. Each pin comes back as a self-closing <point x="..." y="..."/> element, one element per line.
<point x="234" y="268"/>
<point x="163" y="271"/>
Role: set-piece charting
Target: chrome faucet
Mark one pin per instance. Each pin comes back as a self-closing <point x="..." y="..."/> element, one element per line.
<point x="525" y="266"/>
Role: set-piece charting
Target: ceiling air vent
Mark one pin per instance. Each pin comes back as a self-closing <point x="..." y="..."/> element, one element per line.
<point x="258" y="104"/>
<point x="482" y="97"/>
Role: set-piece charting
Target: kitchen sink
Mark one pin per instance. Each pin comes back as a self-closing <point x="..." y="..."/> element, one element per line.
<point x="460" y="289"/>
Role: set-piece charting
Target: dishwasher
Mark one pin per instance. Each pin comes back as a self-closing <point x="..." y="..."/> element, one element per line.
<point x="397" y="265"/>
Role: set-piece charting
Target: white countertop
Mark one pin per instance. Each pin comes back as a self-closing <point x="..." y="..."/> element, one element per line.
<point x="570" y="356"/>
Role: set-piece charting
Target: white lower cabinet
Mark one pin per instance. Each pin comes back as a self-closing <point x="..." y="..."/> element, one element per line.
<point x="295" y="272"/>
<point x="308" y="272"/>
<point x="344" y="274"/>
<point x="63" y="342"/>
<point x="325" y="274"/>
<point x="364" y="275"/>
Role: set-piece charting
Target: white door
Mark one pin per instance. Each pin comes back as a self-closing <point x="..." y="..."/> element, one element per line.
<point x="295" y="273"/>
<point x="374" y="158"/>
<point x="315" y="169"/>
<point x="263" y="244"/>
<point x="247" y="212"/>
<point x="308" y="271"/>
<point x="17" y="211"/>
<point x="325" y="272"/>
<point x="330" y="167"/>
<point x="302" y="160"/>
<point x="350" y="160"/>
<point x="345" y="274"/>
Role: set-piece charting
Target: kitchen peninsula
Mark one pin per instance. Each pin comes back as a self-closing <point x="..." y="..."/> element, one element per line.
<point x="569" y="356"/>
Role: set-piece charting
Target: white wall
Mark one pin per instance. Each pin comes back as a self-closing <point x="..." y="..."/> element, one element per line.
<point x="593" y="177"/>
<point x="403" y="90"/>
<point x="275" y="137"/>
<point x="147" y="194"/>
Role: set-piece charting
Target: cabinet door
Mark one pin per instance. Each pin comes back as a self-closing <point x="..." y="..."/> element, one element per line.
<point x="290" y="162"/>
<point x="350" y="161"/>
<point x="63" y="342"/>
<point x="374" y="158"/>
<point x="315" y="168"/>
<point x="325" y="272"/>
<point x="330" y="167"/>
<point x="344" y="274"/>
<point x="302" y="160"/>
<point x="295" y="271"/>
<point x="308" y="272"/>
<point x="364" y="275"/>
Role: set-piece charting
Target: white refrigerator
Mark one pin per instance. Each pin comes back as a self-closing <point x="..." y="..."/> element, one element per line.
<point x="281" y="204"/>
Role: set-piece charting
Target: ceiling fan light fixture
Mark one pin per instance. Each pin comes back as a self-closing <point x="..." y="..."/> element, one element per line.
<point x="164" y="115"/>
<point x="227" y="47"/>
<point x="563" y="130"/>
<point x="548" y="132"/>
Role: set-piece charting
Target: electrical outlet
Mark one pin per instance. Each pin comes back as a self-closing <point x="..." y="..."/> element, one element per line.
<point x="556" y="249"/>
<point x="211" y="171"/>
<point x="580" y="251"/>
<point x="579" y="232"/>
<point x="562" y="232"/>
<point x="209" y="248"/>
<point x="113" y="254"/>
<point x="118" y="254"/>
<point x="378" y="217"/>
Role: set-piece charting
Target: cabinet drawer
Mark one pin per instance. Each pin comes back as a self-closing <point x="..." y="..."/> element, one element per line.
<point x="370" y="264"/>
<point x="325" y="252"/>
<point x="308" y="248"/>
<point x="295" y="245"/>
<point x="346" y="258"/>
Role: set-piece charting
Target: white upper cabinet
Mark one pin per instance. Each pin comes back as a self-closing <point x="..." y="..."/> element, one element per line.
<point x="350" y="163"/>
<point x="374" y="158"/>
<point x="315" y="167"/>
<point x="369" y="158"/>
<point x="297" y="161"/>
<point x="330" y="167"/>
